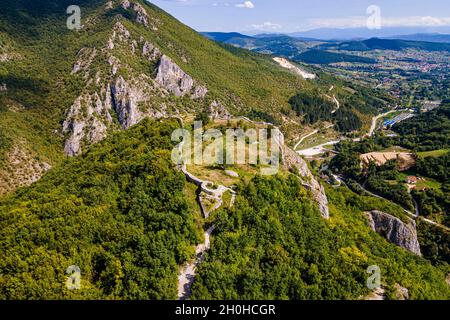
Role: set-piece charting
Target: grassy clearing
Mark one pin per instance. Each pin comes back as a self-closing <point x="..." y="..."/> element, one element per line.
<point x="433" y="154"/>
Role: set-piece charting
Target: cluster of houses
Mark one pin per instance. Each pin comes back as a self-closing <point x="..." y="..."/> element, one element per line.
<point x="412" y="181"/>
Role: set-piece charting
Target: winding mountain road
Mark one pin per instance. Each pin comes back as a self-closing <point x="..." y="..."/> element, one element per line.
<point x="375" y="119"/>
<point x="305" y="137"/>
<point x="309" y="135"/>
<point x="411" y="214"/>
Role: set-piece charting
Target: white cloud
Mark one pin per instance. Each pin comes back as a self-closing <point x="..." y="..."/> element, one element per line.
<point x="359" y="22"/>
<point x="425" y="21"/>
<point x="266" y="26"/>
<point x="246" y="5"/>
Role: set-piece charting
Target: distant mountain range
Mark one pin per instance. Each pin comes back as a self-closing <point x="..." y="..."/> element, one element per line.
<point x="314" y="51"/>
<point x="225" y="36"/>
<point x="437" y="34"/>
<point x="429" y="37"/>
<point x="385" y="44"/>
<point x="364" y="33"/>
<point x="278" y="44"/>
<point x="236" y="38"/>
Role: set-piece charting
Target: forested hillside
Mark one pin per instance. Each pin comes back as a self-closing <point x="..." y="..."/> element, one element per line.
<point x="40" y="57"/>
<point x="123" y="214"/>
<point x="54" y="79"/>
<point x="327" y="57"/>
<point x="274" y="245"/>
<point x="120" y="212"/>
<point x="86" y="177"/>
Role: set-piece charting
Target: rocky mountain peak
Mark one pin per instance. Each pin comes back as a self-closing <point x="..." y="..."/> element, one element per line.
<point x="122" y="90"/>
<point x="141" y="15"/>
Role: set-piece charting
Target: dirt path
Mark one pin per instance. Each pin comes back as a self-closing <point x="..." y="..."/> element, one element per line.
<point x="187" y="274"/>
<point x="334" y="99"/>
<point x="309" y="135"/>
<point x="338" y="104"/>
<point x="305" y="137"/>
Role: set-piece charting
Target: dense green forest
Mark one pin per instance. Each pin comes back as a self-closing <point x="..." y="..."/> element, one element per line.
<point x="327" y="57"/>
<point x="119" y="212"/>
<point x="434" y="243"/>
<point x="428" y="131"/>
<point x="377" y="181"/>
<point x="314" y="107"/>
<point x="274" y="245"/>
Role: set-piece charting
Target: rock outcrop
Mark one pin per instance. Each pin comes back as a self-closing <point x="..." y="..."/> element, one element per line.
<point x="84" y="60"/>
<point x="199" y="92"/>
<point x="171" y="77"/>
<point x="121" y="90"/>
<point x="294" y="162"/>
<point x="87" y="121"/>
<point x="128" y="95"/>
<point x="4" y="57"/>
<point x="141" y="15"/>
<point x="217" y="110"/>
<point x="149" y="51"/>
<point x="401" y="293"/>
<point x="395" y="230"/>
<point x="378" y="294"/>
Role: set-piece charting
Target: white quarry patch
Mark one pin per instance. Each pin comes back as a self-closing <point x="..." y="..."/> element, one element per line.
<point x="316" y="150"/>
<point x="288" y="65"/>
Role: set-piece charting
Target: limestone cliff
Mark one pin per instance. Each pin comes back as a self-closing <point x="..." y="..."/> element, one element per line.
<point x="395" y="230"/>
<point x="171" y="77"/>
<point x="116" y="95"/>
<point x="126" y="97"/>
<point x="87" y="121"/>
<point x="294" y="162"/>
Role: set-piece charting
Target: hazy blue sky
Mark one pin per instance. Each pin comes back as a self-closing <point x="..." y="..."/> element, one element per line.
<point x="301" y="15"/>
